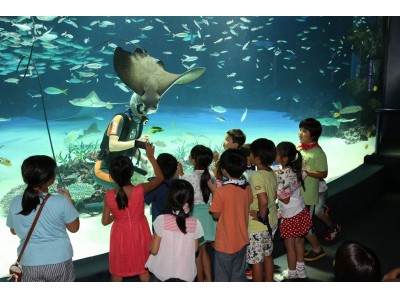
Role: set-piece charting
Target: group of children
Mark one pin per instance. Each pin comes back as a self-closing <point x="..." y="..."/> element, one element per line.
<point x="232" y="209"/>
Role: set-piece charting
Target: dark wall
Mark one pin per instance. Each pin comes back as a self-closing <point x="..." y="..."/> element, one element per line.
<point x="392" y="84"/>
<point x="390" y="122"/>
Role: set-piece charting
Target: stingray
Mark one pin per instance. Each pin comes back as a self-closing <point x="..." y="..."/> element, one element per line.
<point x="146" y="76"/>
<point x="83" y="114"/>
<point x="92" y="100"/>
<point x="91" y="129"/>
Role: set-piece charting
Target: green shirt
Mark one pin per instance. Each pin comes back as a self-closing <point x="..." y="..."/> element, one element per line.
<point x="263" y="181"/>
<point x="314" y="159"/>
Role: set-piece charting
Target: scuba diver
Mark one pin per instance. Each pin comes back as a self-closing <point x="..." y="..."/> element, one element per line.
<point x="147" y="78"/>
<point x="123" y="136"/>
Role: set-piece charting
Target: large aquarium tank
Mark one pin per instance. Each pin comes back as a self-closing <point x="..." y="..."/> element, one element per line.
<point x="59" y="91"/>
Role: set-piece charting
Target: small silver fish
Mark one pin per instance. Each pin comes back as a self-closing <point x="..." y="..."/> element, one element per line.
<point x="218" y="109"/>
<point x="243" y="116"/>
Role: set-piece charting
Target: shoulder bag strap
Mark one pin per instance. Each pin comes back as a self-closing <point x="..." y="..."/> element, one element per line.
<point x="32" y="227"/>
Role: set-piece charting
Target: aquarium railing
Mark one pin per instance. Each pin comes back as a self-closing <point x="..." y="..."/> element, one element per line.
<point x="387" y="143"/>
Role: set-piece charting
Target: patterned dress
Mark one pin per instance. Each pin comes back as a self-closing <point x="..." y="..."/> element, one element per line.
<point x="295" y="218"/>
<point x="130" y="235"/>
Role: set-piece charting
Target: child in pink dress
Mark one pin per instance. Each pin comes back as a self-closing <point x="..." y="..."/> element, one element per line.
<point x="124" y="207"/>
<point x="176" y="237"/>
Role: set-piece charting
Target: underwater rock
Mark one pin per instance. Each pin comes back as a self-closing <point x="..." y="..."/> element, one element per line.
<point x="70" y="179"/>
<point x="350" y="109"/>
<point x="334" y="121"/>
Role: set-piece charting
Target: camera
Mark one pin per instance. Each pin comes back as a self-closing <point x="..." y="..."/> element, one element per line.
<point x="140" y="144"/>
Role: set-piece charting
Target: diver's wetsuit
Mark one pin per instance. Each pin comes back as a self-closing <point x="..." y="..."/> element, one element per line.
<point x="117" y="127"/>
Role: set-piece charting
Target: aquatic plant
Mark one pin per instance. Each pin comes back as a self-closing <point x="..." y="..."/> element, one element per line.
<point x="80" y="151"/>
<point x="63" y="159"/>
<point x="182" y="151"/>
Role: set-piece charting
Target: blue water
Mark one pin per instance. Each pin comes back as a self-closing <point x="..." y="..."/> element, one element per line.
<point x="281" y="69"/>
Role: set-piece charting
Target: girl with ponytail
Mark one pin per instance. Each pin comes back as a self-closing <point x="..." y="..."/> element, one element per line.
<point x="124" y="207"/>
<point x="296" y="221"/>
<point x="176" y="237"/>
<point x="48" y="253"/>
<point x="201" y="158"/>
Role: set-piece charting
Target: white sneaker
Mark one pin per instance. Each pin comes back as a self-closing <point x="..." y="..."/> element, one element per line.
<point x="284" y="276"/>
<point x="301" y="273"/>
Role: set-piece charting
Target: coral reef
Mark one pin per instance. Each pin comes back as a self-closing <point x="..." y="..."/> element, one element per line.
<point x="80" y="191"/>
<point x="16" y="191"/>
<point x="6" y="200"/>
<point x="76" y="175"/>
<point x="355" y="134"/>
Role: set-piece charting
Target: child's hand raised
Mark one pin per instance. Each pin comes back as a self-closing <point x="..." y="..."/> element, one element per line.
<point x="180" y="169"/>
<point x="215" y="156"/>
<point x="149" y="150"/>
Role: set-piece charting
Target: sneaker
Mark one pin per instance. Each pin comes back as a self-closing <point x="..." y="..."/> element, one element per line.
<point x="331" y="234"/>
<point x="311" y="255"/>
<point x="301" y="273"/>
<point x="249" y="274"/>
<point x="284" y="276"/>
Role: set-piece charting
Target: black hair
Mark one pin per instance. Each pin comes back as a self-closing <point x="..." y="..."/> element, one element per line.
<point x="168" y="165"/>
<point x="246" y="149"/>
<point x="265" y="150"/>
<point x="234" y="162"/>
<point x="313" y="126"/>
<point x="295" y="159"/>
<point x="238" y="136"/>
<point x="203" y="157"/>
<point x="355" y="262"/>
<point x="180" y="192"/>
<point x="121" y="171"/>
<point x="36" y="171"/>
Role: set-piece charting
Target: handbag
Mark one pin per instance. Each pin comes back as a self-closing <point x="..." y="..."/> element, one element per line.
<point x="16" y="269"/>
